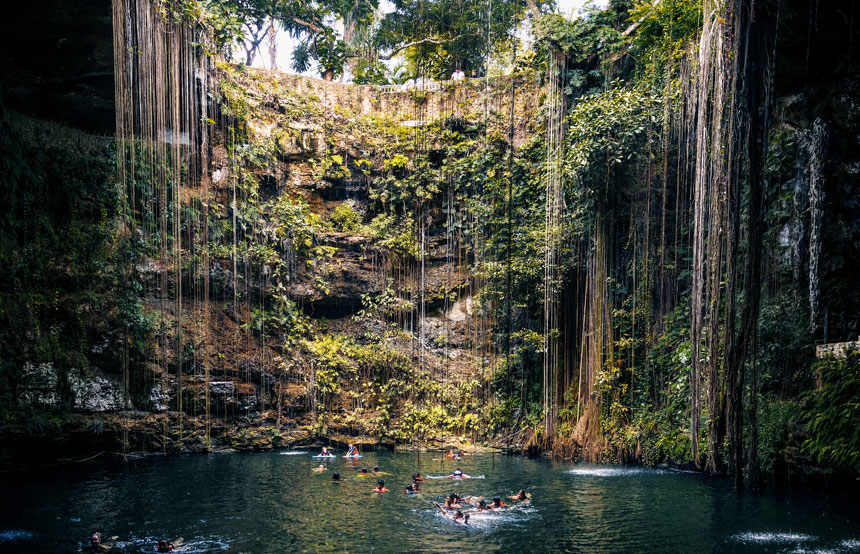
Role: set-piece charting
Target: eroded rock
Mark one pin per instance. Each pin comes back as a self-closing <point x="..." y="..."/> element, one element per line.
<point x="94" y="393"/>
<point x="38" y="385"/>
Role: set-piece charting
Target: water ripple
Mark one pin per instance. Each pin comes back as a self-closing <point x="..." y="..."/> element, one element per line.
<point x="12" y="535"/>
<point x="616" y="471"/>
<point x="771" y="538"/>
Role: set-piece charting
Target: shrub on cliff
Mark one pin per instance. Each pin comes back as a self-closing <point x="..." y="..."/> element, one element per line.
<point x="833" y="411"/>
<point x="344" y="218"/>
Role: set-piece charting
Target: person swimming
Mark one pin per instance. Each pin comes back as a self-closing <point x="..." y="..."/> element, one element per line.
<point x="352" y="450"/>
<point x="455" y="515"/>
<point x="452" y="501"/>
<point x="363" y="472"/>
<point x="319" y="469"/>
<point x="458" y="474"/>
<point x="380" y="486"/>
<point x="325" y="453"/>
<point x="496" y="503"/>
<point x="164" y="545"/>
<point x="376" y="471"/>
<point x="416" y="477"/>
<point x="521" y="496"/>
<point x="335" y="477"/>
<point x="410" y="489"/>
<point x="482" y="506"/>
<point x="97" y="544"/>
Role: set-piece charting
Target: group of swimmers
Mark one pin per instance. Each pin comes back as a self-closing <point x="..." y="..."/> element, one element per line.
<point x="351" y="452"/>
<point x="459" y="454"/>
<point x="454" y="503"/>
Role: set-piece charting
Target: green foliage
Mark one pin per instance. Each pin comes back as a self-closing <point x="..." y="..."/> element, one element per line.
<point x="369" y="72"/>
<point x="588" y="45"/>
<point x="663" y="34"/>
<point x="833" y="411"/>
<point x="245" y="23"/>
<point x="780" y="433"/>
<point x="439" y="37"/>
<point x="63" y="256"/>
<point x="344" y="218"/>
<point x="328" y="362"/>
<point x="608" y="135"/>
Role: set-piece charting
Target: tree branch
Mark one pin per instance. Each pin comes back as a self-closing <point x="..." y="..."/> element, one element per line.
<point x="307" y="24"/>
<point x="422" y="41"/>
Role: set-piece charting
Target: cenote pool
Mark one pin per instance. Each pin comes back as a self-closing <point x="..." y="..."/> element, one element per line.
<point x="273" y="502"/>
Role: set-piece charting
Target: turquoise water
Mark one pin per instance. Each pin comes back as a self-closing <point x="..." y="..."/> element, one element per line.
<point x="273" y="502"/>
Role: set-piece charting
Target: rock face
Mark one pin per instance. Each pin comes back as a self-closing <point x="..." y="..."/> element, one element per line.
<point x="95" y="393"/>
<point x="837" y="349"/>
<point x="45" y="385"/>
<point x="58" y="62"/>
<point x="159" y="399"/>
<point x="39" y="385"/>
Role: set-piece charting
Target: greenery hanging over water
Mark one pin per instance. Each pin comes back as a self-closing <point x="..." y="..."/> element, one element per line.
<point x="348" y="262"/>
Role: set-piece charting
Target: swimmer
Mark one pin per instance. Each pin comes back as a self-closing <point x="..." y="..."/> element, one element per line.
<point x="319" y="469"/>
<point x="416" y="477"/>
<point x="410" y="489"/>
<point x="496" y="503"/>
<point x="97" y="545"/>
<point x="380" y="486"/>
<point x="449" y="454"/>
<point x="325" y="453"/>
<point x="352" y="451"/>
<point x="521" y="496"/>
<point x="164" y="545"/>
<point x="482" y="506"/>
<point x="458" y="474"/>
<point x="377" y="472"/>
<point x="456" y="515"/>
<point x="451" y="501"/>
<point x="363" y="472"/>
<point x="335" y="477"/>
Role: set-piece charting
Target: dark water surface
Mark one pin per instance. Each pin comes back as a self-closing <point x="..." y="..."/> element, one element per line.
<point x="273" y="502"/>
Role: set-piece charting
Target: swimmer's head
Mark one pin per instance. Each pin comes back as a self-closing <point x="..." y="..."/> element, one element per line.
<point x="375" y="468"/>
<point x="96" y="539"/>
<point x="335" y="476"/>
